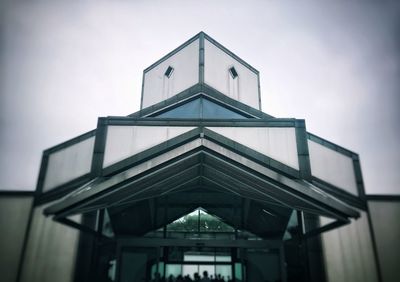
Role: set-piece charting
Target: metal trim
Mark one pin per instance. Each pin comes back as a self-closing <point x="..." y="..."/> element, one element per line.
<point x="129" y="121"/>
<point x="340" y="193"/>
<point x="302" y="150"/>
<point x="359" y="178"/>
<point x="201" y="57"/>
<point x="391" y="198"/>
<point x="17" y="193"/>
<point x="330" y="145"/>
<point x="259" y="93"/>
<point x="99" y="147"/>
<point x="330" y="226"/>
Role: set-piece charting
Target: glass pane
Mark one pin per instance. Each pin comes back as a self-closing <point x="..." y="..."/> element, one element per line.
<point x="292" y="228"/>
<point x="69" y="163"/>
<point x="125" y="141"/>
<point x="332" y="167"/>
<point x="278" y="143"/>
<point x="154" y="269"/>
<point x="161" y="267"/>
<point x="238" y="271"/>
<point x="224" y="270"/>
<point x="200" y="108"/>
<point x="212" y="110"/>
<point x="188" y="110"/>
<point x="209" y="268"/>
<point x="173" y="269"/>
<point x="223" y="258"/>
<point x="188" y="223"/>
<point x="198" y="258"/>
<point x="190" y="269"/>
<point x="209" y="223"/>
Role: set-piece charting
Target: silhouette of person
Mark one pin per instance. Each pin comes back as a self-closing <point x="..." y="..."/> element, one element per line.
<point x="205" y="277"/>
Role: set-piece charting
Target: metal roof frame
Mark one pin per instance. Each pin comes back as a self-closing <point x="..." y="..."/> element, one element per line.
<point x="202" y="144"/>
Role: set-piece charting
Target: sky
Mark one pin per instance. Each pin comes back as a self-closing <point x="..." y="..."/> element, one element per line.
<point x="335" y="64"/>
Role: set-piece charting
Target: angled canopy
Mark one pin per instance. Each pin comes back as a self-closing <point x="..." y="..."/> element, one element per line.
<point x="200" y="140"/>
<point x="206" y="171"/>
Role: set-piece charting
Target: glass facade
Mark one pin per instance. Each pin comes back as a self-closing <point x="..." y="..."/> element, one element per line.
<point x="199" y="221"/>
<point x="278" y="143"/>
<point x="69" y="163"/>
<point x="125" y="141"/>
<point x="332" y="167"/>
<point x="196" y="263"/>
<point x="200" y="108"/>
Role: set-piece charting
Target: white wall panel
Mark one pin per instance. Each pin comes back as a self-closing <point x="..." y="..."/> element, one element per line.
<point x="125" y="141"/>
<point x="216" y="74"/>
<point x="51" y="251"/>
<point x="348" y="252"/>
<point x="69" y="163"/>
<point x="278" y="143"/>
<point x="332" y="167"/>
<point x="158" y="87"/>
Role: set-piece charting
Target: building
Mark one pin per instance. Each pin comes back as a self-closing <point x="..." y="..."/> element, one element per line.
<point x="200" y="179"/>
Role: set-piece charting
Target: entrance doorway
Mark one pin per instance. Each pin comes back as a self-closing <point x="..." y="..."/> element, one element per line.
<point x="187" y="263"/>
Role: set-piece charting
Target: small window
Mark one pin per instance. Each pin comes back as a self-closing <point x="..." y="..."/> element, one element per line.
<point x="169" y="71"/>
<point x="233" y="72"/>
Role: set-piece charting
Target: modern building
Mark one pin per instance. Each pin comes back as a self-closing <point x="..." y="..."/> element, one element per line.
<point x="199" y="179"/>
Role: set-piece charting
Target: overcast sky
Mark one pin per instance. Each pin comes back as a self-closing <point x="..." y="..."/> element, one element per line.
<point x="65" y="63"/>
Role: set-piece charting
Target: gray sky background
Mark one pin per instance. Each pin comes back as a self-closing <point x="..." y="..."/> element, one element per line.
<point x="334" y="63"/>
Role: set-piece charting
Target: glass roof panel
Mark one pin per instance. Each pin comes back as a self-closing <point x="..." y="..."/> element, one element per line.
<point x="201" y="108"/>
<point x="199" y="221"/>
